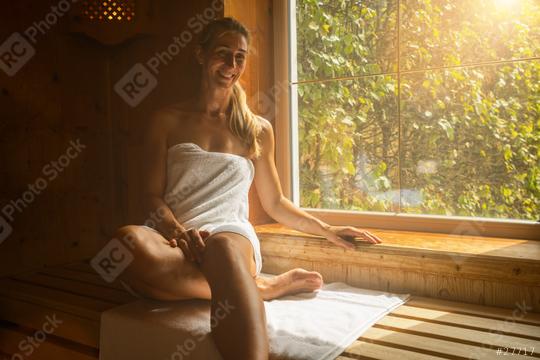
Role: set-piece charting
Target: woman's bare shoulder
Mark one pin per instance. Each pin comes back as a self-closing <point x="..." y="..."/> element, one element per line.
<point x="266" y="135"/>
<point x="267" y="131"/>
<point x="168" y="116"/>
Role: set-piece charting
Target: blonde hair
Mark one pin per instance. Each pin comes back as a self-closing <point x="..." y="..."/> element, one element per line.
<point x="242" y="122"/>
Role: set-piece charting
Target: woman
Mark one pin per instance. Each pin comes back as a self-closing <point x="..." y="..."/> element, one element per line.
<point x="201" y="158"/>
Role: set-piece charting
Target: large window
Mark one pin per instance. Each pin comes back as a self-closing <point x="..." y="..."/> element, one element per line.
<point x="425" y="107"/>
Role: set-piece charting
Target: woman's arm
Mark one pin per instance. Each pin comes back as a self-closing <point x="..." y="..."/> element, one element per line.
<point x="155" y="150"/>
<point x="283" y="210"/>
<point x="154" y="175"/>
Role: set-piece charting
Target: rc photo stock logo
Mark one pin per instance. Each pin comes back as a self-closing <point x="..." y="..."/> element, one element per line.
<point x="17" y="49"/>
<point x="141" y="79"/>
<point x="114" y="258"/>
<point x="49" y="172"/>
<point x="5" y="229"/>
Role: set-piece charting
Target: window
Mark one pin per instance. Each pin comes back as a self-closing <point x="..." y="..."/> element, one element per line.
<point x="427" y="108"/>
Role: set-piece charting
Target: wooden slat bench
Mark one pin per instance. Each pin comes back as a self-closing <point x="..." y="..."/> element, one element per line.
<point x="422" y="329"/>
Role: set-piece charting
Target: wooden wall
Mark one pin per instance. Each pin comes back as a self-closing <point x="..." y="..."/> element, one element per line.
<point x="60" y="95"/>
<point x="66" y="92"/>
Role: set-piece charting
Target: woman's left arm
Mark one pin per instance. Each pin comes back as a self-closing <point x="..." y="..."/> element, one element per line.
<point x="283" y="210"/>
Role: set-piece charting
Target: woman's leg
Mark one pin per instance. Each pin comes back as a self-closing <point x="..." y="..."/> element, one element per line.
<point x="226" y="277"/>
<point x="159" y="271"/>
<point x="162" y="272"/>
<point x="228" y="265"/>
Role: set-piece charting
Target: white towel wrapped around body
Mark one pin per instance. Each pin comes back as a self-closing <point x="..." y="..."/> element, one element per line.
<point x="209" y="190"/>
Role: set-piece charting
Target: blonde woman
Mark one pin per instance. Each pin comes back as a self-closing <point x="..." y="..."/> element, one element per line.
<point x="201" y="158"/>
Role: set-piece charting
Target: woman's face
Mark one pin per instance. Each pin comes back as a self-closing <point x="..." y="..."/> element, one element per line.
<point x="225" y="61"/>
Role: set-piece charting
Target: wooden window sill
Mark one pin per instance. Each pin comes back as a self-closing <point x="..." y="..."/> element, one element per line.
<point x="482" y="270"/>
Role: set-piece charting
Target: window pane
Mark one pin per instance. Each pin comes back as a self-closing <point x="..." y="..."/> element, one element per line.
<point x="340" y="38"/>
<point x="471" y="140"/>
<point x="437" y="33"/>
<point x="348" y="137"/>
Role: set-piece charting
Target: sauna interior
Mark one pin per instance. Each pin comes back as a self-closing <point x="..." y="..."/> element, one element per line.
<point x="418" y="121"/>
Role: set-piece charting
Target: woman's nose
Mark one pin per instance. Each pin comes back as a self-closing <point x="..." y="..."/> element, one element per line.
<point x="230" y="61"/>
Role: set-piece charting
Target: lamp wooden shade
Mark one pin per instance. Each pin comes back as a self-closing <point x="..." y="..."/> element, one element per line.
<point x="112" y="22"/>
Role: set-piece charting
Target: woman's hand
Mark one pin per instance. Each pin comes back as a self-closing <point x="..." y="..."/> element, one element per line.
<point x="191" y="242"/>
<point x="340" y="234"/>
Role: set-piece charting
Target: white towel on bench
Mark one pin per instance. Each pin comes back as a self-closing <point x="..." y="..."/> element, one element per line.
<point x="305" y="326"/>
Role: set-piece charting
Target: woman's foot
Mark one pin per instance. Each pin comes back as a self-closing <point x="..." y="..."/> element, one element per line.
<point x="291" y="282"/>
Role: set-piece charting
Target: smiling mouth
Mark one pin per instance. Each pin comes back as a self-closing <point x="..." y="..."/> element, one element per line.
<point x="226" y="76"/>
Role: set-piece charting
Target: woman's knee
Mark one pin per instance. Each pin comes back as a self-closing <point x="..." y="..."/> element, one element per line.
<point x="134" y="241"/>
<point x="131" y="237"/>
<point x="228" y="250"/>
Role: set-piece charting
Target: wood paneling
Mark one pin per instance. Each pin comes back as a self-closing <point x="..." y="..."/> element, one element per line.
<point x="66" y="92"/>
<point x="57" y="97"/>
<point x="488" y="271"/>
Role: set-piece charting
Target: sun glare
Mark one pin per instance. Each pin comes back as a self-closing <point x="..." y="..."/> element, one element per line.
<point x="506" y="4"/>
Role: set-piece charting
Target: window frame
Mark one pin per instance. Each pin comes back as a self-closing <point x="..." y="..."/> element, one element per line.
<point x="287" y="159"/>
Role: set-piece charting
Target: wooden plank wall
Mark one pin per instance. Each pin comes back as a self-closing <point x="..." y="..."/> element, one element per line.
<point x="66" y="92"/>
<point x="58" y="96"/>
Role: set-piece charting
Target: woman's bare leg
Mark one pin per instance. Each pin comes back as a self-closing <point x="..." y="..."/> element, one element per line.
<point x="162" y="272"/>
<point x="228" y="266"/>
<point x="159" y="271"/>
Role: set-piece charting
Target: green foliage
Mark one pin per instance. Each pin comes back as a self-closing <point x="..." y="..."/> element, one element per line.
<point x="446" y="124"/>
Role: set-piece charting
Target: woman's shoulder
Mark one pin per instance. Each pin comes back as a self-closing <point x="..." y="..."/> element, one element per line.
<point x="169" y="115"/>
<point x="266" y="128"/>
<point x="265" y="125"/>
<point x="266" y="135"/>
<point x="175" y="110"/>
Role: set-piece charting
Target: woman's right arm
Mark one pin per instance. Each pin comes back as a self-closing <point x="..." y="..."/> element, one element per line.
<point x="154" y="175"/>
<point x="154" y="183"/>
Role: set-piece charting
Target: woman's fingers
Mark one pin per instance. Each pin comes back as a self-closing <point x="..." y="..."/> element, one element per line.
<point x="190" y="242"/>
<point x="370" y="237"/>
<point x="364" y="234"/>
<point x="374" y="239"/>
<point x="342" y="243"/>
<point x="196" y="244"/>
<point x="185" y="249"/>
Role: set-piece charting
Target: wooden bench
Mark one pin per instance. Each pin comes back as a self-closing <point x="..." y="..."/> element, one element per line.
<point x="424" y="328"/>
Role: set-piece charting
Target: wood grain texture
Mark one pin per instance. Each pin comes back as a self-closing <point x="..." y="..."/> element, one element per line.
<point x="423" y="328"/>
<point x="506" y="273"/>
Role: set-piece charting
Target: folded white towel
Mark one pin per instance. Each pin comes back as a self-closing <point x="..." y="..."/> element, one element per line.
<point x="322" y="325"/>
<point x="310" y="326"/>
